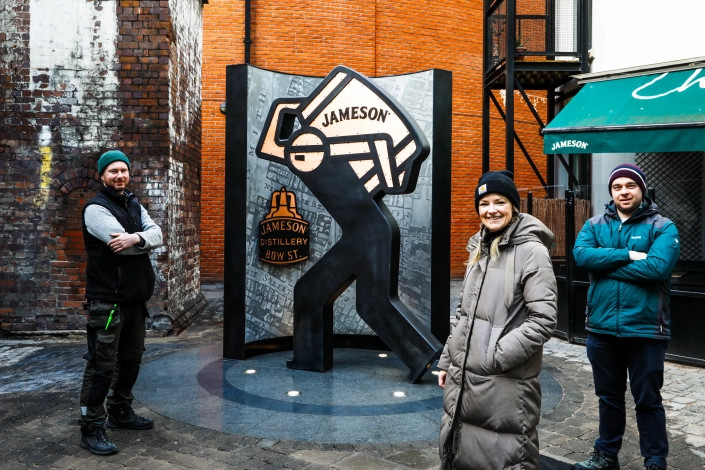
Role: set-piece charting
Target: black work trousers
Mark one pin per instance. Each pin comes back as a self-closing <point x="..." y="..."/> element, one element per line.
<point x="114" y="357"/>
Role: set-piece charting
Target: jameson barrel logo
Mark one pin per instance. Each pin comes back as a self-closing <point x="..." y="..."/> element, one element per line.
<point x="283" y="234"/>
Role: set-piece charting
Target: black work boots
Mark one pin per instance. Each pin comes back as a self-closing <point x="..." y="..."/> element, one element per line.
<point x="598" y="461"/>
<point x="95" y="439"/>
<point x="127" y="419"/>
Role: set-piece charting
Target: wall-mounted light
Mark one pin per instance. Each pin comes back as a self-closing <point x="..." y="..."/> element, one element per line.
<point x="223" y="106"/>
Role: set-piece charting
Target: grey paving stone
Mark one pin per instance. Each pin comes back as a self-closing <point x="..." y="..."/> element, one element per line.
<point x="267" y="443"/>
<point x="358" y="461"/>
<point x="319" y="457"/>
<point x="557" y="450"/>
<point x="415" y="458"/>
<point x="314" y="466"/>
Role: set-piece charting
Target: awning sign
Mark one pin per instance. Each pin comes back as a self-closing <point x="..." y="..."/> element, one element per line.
<point x="651" y="113"/>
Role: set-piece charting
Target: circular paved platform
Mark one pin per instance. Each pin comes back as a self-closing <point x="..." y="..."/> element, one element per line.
<point x="364" y="398"/>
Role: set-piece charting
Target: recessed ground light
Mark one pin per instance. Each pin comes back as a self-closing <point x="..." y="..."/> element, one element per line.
<point x="382" y="355"/>
<point x="250" y="371"/>
<point x="435" y="372"/>
<point x="399" y="394"/>
<point x="293" y="393"/>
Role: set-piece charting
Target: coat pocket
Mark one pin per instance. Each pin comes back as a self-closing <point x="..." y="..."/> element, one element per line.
<point x="491" y="365"/>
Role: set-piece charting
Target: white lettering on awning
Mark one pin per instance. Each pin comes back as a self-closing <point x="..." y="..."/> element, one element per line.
<point x="570" y="143"/>
<point x="687" y="84"/>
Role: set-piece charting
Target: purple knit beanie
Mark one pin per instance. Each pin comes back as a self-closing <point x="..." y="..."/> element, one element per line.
<point x="627" y="170"/>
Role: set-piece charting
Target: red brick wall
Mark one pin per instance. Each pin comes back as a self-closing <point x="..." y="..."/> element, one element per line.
<point x="223" y="33"/>
<point x="375" y="37"/>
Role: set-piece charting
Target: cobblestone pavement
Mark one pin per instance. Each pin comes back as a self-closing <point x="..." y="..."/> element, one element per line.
<point x="570" y="429"/>
<point x="39" y="383"/>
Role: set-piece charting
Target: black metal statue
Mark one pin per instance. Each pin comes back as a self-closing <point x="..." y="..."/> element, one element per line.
<point x="354" y="144"/>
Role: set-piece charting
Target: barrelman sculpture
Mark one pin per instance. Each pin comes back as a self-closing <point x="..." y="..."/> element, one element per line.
<point x="351" y="143"/>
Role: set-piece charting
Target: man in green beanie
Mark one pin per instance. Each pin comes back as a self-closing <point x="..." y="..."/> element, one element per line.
<point x="118" y="234"/>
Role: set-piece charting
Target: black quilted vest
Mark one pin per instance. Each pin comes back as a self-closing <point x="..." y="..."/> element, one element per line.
<point x="111" y="277"/>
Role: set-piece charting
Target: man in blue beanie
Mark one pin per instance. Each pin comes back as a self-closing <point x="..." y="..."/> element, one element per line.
<point x="118" y="234"/>
<point x="629" y="251"/>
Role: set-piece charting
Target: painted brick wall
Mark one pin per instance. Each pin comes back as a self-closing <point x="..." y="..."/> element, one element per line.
<point x="183" y="202"/>
<point x="77" y="78"/>
<point x="375" y="37"/>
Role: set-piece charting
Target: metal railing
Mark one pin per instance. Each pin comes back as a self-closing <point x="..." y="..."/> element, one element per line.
<point x="544" y="30"/>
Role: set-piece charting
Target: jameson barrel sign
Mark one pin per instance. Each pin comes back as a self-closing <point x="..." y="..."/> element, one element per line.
<point x="283" y="234"/>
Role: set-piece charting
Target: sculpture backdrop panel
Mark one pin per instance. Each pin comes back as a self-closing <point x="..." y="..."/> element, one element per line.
<point x="269" y="287"/>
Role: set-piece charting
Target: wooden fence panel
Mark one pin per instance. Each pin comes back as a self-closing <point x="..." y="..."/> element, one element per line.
<point x="552" y="213"/>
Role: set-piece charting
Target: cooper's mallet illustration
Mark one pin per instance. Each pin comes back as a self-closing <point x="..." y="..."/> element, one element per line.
<point x="354" y="144"/>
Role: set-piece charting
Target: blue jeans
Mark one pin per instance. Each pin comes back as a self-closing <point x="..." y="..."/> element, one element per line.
<point x="611" y="357"/>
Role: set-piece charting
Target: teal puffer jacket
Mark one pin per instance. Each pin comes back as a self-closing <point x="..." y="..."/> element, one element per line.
<point x="628" y="298"/>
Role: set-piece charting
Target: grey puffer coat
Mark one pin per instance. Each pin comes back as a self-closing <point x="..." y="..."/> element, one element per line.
<point x="507" y="311"/>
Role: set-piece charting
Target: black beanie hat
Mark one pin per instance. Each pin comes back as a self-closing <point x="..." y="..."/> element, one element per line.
<point x="500" y="182"/>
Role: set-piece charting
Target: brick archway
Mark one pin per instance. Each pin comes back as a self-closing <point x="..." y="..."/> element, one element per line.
<point x="73" y="189"/>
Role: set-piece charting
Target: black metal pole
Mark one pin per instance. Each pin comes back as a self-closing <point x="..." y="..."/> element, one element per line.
<point x="441" y="204"/>
<point x="572" y="177"/>
<point x="651" y="192"/>
<point x="569" y="261"/>
<point x="235" y="278"/>
<point x="550" y="162"/>
<point x="530" y="203"/>
<point x="247" y="41"/>
<point x="509" y="85"/>
<point x="583" y="46"/>
<point x="551" y="28"/>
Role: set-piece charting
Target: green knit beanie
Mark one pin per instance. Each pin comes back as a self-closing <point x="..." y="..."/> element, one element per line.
<point x="109" y="157"/>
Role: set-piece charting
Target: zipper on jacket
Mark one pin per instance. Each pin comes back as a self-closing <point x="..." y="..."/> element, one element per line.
<point x="619" y="293"/>
<point x="456" y="413"/>
<point x="456" y="439"/>
<point x="619" y="283"/>
<point x="619" y="245"/>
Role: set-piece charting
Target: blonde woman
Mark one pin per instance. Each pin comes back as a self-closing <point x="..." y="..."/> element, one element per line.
<point x="491" y="362"/>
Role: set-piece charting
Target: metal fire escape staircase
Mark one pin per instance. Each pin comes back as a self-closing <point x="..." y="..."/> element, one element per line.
<point x="532" y="45"/>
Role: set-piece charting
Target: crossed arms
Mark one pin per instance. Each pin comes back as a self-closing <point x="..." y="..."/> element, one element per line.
<point x="625" y="265"/>
<point x="101" y="224"/>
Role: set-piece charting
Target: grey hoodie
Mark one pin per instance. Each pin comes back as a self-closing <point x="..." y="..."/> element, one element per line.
<point x="507" y="311"/>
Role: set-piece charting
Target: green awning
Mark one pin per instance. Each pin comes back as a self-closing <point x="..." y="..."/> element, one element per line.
<point x="664" y="112"/>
